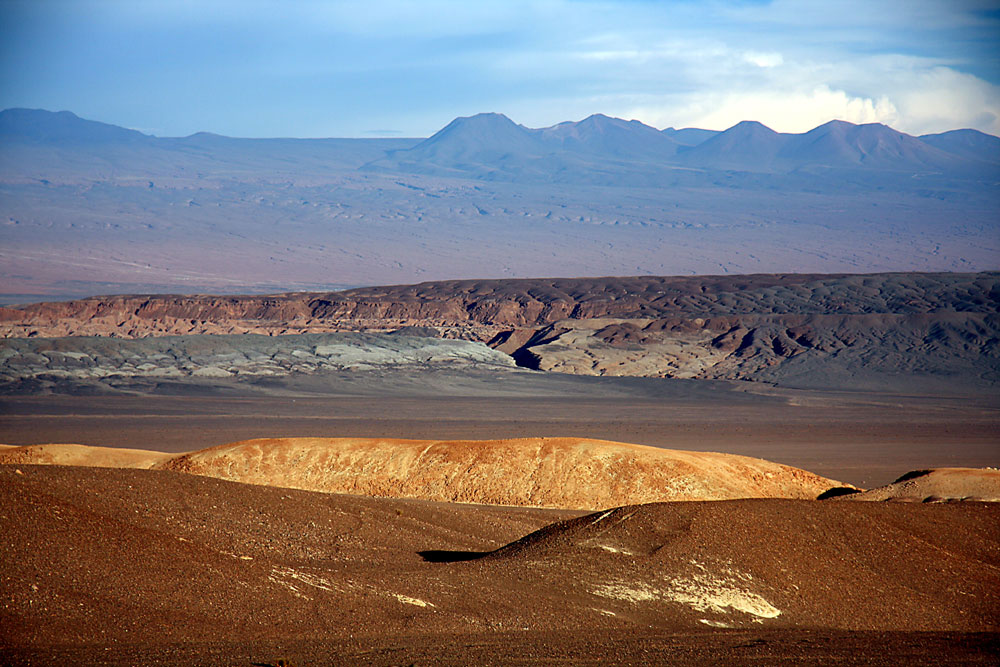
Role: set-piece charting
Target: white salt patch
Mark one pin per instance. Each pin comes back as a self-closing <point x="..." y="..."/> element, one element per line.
<point x="601" y="518"/>
<point x="285" y="576"/>
<point x="701" y="591"/>
<point x="405" y="599"/>
<point x="704" y="593"/>
<point x="615" y="551"/>
<point x="636" y="593"/>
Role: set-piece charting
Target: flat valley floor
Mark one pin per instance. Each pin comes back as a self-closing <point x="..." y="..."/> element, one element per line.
<point x="866" y="439"/>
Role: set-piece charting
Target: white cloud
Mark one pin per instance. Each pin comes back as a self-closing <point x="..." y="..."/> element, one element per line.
<point x="781" y="110"/>
<point x="716" y="84"/>
<point x="763" y="59"/>
<point x="942" y="98"/>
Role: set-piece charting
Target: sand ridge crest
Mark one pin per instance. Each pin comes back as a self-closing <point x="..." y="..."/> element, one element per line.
<point x="577" y="473"/>
<point x="539" y="472"/>
<point x="81" y="455"/>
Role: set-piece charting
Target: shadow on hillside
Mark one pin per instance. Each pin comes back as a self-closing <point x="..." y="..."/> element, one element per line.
<point x="437" y="556"/>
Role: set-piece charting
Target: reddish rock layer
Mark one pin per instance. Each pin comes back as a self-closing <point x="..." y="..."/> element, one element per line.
<point x="481" y="308"/>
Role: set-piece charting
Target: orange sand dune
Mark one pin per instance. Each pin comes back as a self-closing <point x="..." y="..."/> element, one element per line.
<point x="538" y="472"/>
<point x="81" y="455"/>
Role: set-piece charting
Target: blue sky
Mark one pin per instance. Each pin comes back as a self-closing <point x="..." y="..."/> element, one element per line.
<point x="396" y="68"/>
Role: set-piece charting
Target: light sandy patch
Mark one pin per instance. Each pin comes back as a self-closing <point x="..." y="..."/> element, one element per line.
<point x="706" y="593"/>
<point x="291" y="579"/>
<point x="615" y="550"/>
<point x="83" y="455"/>
<point x="405" y="599"/>
<point x="630" y="593"/>
<point x="701" y="591"/>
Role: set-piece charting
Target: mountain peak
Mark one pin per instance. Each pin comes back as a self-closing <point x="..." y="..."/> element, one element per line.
<point x="481" y="125"/>
<point x="490" y="118"/>
<point x="611" y="136"/>
<point x="842" y="144"/>
<point x="968" y="143"/>
<point x="751" y="126"/>
<point x="41" y="126"/>
<point x="480" y="139"/>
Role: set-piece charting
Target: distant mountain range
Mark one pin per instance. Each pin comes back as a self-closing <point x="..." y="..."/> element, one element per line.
<point x="490" y="145"/>
<point x="486" y="142"/>
<point x="87" y="207"/>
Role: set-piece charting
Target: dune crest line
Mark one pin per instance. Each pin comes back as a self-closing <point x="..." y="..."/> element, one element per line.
<point x="577" y="473"/>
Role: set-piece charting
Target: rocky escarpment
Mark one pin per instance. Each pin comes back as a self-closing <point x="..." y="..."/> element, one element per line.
<point x="482" y="308"/>
<point x="860" y="350"/>
<point x="860" y="331"/>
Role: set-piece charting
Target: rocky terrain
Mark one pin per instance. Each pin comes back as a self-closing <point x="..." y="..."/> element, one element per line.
<point x="924" y="331"/>
<point x="141" y="566"/>
<point x="940" y="485"/>
<point x="486" y="307"/>
<point x="574" y="473"/>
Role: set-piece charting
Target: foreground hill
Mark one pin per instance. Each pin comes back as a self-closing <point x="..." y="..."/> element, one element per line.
<point x="571" y="473"/>
<point x="138" y="566"/>
<point x="919" y="332"/>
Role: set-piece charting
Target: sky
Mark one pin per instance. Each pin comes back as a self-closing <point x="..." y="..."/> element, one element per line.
<point x="406" y="68"/>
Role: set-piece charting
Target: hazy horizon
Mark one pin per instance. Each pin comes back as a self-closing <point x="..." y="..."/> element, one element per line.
<point x="489" y="112"/>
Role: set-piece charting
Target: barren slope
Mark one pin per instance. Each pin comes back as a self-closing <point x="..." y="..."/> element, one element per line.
<point x="739" y="562"/>
<point x="535" y="472"/>
<point x="157" y="566"/>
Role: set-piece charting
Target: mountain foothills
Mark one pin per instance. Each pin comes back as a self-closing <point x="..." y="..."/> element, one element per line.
<point x="88" y="207"/>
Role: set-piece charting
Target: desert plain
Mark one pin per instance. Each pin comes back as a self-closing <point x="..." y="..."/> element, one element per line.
<point x="707" y="470"/>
